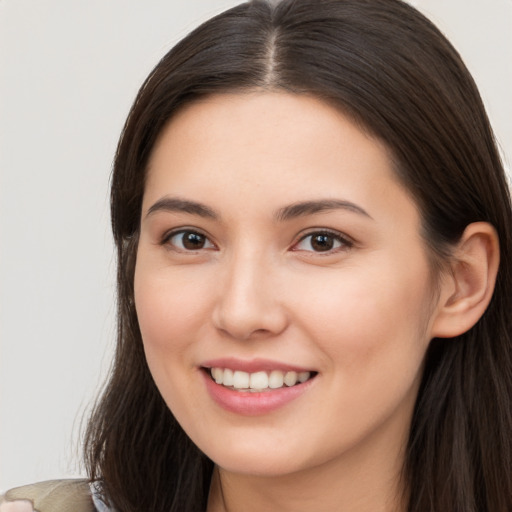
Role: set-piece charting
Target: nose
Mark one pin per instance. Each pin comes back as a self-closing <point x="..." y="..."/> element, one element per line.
<point x="249" y="304"/>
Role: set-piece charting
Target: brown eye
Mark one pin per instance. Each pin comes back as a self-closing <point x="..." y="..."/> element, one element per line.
<point x="193" y="241"/>
<point x="322" y="241"/>
<point x="190" y="241"/>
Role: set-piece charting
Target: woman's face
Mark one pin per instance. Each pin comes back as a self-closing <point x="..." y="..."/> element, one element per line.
<point x="278" y="252"/>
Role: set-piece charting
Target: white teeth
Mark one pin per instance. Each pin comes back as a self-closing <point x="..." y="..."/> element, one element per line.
<point x="276" y="379"/>
<point x="303" y="376"/>
<point x="290" y="379"/>
<point x="240" y="380"/>
<point x="257" y="381"/>
<point x="218" y="375"/>
<point x="228" y="377"/>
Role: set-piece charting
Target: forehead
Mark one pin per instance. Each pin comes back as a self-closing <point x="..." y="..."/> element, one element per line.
<point x="278" y="147"/>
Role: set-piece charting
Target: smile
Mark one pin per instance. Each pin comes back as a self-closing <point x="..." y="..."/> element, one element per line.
<point x="258" y="381"/>
<point x="255" y="387"/>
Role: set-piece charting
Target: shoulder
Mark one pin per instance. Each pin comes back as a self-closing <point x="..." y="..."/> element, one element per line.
<point x="50" y="496"/>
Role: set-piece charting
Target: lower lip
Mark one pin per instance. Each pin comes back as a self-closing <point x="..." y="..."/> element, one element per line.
<point x="253" y="404"/>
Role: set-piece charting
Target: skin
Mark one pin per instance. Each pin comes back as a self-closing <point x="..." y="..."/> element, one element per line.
<point x="361" y="314"/>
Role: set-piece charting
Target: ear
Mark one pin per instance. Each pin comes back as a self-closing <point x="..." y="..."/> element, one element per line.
<point x="467" y="288"/>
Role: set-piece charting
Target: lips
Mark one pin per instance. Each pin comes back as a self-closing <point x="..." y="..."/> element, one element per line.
<point x="254" y="387"/>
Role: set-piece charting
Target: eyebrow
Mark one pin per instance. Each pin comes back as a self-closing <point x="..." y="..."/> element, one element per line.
<point x="292" y="211"/>
<point x="310" y="207"/>
<point x="175" y="204"/>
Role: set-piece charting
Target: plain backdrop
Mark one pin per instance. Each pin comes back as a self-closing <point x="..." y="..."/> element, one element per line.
<point x="69" y="70"/>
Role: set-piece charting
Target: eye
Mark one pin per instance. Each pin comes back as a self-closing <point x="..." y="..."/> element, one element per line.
<point x="188" y="240"/>
<point x="322" y="241"/>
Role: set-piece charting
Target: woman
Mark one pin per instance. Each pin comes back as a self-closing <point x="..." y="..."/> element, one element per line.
<point x="313" y="232"/>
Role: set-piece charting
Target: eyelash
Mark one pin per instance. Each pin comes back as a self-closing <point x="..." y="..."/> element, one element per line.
<point x="334" y="237"/>
<point x="344" y="243"/>
<point x="167" y="240"/>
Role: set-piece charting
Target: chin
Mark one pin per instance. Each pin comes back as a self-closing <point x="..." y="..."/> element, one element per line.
<point x="262" y="458"/>
<point x="259" y="466"/>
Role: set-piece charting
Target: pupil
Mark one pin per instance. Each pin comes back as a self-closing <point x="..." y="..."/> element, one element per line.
<point x="193" y="241"/>
<point x="322" y="242"/>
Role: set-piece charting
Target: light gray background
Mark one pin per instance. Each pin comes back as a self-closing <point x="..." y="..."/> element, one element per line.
<point x="69" y="70"/>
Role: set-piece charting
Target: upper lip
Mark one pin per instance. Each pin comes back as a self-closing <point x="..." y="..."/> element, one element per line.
<point x="253" y="365"/>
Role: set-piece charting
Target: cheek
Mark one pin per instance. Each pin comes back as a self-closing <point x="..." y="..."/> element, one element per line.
<point x="168" y="305"/>
<point x="171" y="314"/>
<point x="373" y="331"/>
<point x="373" y="319"/>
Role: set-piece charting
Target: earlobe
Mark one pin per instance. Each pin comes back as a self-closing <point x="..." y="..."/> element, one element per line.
<point x="468" y="289"/>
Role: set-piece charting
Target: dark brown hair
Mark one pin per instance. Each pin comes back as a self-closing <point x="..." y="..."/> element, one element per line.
<point x="388" y="68"/>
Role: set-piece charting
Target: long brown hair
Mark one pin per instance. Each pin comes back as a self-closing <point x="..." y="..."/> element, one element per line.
<point x="388" y="68"/>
